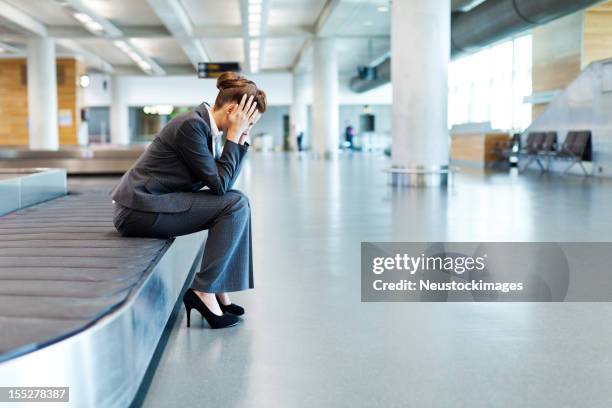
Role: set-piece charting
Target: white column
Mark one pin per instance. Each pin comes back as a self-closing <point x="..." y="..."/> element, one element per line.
<point x="420" y="51"/>
<point x="119" y="114"/>
<point x="325" y="112"/>
<point x="299" y="109"/>
<point x="42" y="94"/>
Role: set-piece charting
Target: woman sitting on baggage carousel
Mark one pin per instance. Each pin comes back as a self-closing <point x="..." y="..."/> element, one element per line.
<point x="182" y="184"/>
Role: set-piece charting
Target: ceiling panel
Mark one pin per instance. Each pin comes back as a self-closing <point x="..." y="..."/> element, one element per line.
<point x="166" y="51"/>
<point x="280" y="52"/>
<point x="225" y="50"/>
<point x="7" y="32"/>
<point x="360" y="18"/>
<point x="47" y="12"/>
<point x="213" y="12"/>
<point x="294" y="12"/>
<point x="106" y="50"/>
<point x="125" y="12"/>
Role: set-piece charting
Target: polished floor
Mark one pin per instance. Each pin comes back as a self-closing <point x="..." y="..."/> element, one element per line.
<point x="308" y="341"/>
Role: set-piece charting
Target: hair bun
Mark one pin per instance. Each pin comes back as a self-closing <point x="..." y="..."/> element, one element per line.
<point x="233" y="87"/>
<point x="228" y="79"/>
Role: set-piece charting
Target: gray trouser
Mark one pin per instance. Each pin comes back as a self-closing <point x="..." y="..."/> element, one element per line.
<point x="227" y="265"/>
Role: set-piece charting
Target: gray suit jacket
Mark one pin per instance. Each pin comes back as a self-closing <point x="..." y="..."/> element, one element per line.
<point x="179" y="162"/>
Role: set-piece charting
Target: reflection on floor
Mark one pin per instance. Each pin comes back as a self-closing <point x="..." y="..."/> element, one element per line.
<point x="308" y="341"/>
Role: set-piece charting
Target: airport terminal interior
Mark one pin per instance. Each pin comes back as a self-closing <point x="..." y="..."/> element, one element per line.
<point x="386" y="121"/>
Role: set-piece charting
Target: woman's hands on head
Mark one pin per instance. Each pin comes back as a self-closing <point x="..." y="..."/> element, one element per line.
<point x="247" y="132"/>
<point x="241" y="119"/>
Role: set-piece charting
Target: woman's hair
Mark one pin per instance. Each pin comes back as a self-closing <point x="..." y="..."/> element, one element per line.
<point x="233" y="86"/>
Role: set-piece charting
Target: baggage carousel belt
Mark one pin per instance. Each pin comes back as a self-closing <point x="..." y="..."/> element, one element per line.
<point x="63" y="266"/>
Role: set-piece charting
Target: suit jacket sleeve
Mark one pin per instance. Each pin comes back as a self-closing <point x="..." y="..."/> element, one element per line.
<point x="192" y="145"/>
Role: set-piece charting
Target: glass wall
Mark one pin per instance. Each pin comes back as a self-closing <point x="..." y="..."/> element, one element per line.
<point x="489" y="86"/>
<point x="146" y="121"/>
<point x="98" y="121"/>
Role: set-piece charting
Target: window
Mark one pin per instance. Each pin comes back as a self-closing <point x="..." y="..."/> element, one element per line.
<point x="489" y="86"/>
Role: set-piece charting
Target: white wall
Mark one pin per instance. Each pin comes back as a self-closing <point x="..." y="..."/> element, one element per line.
<point x="180" y="90"/>
<point x="98" y="93"/>
<point x="190" y="91"/>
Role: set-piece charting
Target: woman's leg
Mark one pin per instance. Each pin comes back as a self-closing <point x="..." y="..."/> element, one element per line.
<point x="227" y="262"/>
<point x="224" y="298"/>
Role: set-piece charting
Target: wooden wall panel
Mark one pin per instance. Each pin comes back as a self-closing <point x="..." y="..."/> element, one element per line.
<point x="477" y="147"/>
<point x="556" y="73"/>
<point x="68" y="99"/>
<point x="556" y="55"/>
<point x="14" y="101"/>
<point x="597" y="36"/>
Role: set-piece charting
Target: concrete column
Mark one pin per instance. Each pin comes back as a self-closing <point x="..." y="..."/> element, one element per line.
<point x="42" y="94"/>
<point x="299" y="109"/>
<point x="119" y="113"/>
<point x="420" y="50"/>
<point x="325" y="112"/>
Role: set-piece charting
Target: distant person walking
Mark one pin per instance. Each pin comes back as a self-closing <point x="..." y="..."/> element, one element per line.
<point x="300" y="138"/>
<point x="349" y="133"/>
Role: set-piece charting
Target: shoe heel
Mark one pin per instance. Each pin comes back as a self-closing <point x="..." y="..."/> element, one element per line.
<point x="188" y="310"/>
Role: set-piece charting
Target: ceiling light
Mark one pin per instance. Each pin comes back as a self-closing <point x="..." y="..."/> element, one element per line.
<point x="145" y="66"/>
<point x="84" y="81"/>
<point x="135" y="57"/>
<point x="255" y="8"/>
<point x="82" y="17"/>
<point x="255" y="1"/>
<point x="158" y="109"/>
<point x="383" y="9"/>
<point x="94" y="26"/>
<point x="254" y="18"/>
<point x="121" y="45"/>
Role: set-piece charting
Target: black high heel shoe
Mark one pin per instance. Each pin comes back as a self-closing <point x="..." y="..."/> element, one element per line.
<point x="232" y="308"/>
<point x="193" y="301"/>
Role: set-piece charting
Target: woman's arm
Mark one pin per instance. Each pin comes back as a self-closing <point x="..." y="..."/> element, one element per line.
<point x="192" y="145"/>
